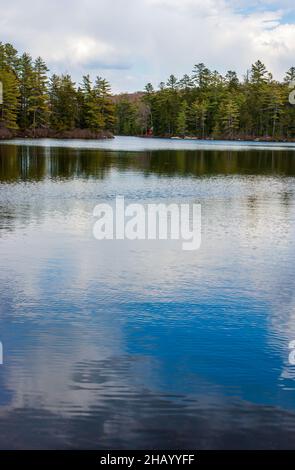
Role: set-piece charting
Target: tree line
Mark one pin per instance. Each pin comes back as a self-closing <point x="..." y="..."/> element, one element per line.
<point x="209" y="105"/>
<point x="32" y="100"/>
<point x="204" y="104"/>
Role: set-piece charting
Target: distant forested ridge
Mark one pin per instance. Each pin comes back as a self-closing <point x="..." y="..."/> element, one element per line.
<point x="204" y="104"/>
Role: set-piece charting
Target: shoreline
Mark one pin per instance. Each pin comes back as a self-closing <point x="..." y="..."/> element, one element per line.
<point x="223" y="138"/>
<point x="87" y="134"/>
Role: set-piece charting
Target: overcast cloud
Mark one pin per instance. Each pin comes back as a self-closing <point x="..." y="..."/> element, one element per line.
<point x="131" y="42"/>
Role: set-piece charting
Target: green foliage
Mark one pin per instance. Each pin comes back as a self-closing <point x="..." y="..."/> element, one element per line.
<point x="9" y="109"/>
<point x="91" y="117"/>
<point x="39" y="98"/>
<point x="206" y="104"/>
<point x="63" y="103"/>
<point x="126" y="118"/>
<point x="229" y="117"/>
<point x="181" y="122"/>
<point x="26" y="84"/>
<point x="106" y="107"/>
<point x="32" y="100"/>
<point x="97" y="108"/>
<point x="199" y="112"/>
<point x="10" y="106"/>
<point x="132" y="117"/>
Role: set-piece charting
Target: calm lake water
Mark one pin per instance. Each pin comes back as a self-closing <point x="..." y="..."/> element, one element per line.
<point x="118" y="344"/>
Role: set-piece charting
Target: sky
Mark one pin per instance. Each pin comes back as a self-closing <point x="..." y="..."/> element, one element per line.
<point x="132" y="42"/>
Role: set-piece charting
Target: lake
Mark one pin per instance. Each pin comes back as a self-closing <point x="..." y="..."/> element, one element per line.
<point x="139" y="344"/>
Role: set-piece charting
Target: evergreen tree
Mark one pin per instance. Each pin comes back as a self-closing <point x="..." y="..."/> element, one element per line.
<point x="63" y="103"/>
<point x="232" y="80"/>
<point x="290" y="76"/>
<point x="10" y="106"/>
<point x="259" y="74"/>
<point x="149" y="100"/>
<point x="106" y="108"/>
<point x="199" y="112"/>
<point x="10" y="88"/>
<point x="39" y="98"/>
<point x="26" y="79"/>
<point x="201" y="76"/>
<point x="181" y="123"/>
<point x="229" y="117"/>
<point x="126" y="117"/>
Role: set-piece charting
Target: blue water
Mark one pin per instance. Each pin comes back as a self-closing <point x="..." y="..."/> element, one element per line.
<point x="121" y="344"/>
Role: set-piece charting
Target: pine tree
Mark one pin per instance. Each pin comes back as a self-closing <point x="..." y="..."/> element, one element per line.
<point x="39" y="99"/>
<point x="229" y="117"/>
<point x="149" y="100"/>
<point x="172" y="82"/>
<point x="63" y="103"/>
<point x="9" y="108"/>
<point x="201" y="76"/>
<point x="181" y="123"/>
<point x="126" y="117"/>
<point x="26" y="78"/>
<point x="276" y="106"/>
<point x="10" y="89"/>
<point x="199" y="112"/>
<point x="105" y="104"/>
<point x="11" y="57"/>
<point x="290" y="76"/>
<point x="91" y="116"/>
<point x="259" y="74"/>
<point x="232" y="80"/>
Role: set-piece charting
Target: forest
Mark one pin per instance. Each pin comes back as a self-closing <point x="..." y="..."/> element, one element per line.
<point x="204" y="104"/>
<point x="38" y="105"/>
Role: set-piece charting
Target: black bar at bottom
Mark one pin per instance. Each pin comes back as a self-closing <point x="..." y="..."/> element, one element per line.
<point x="143" y="459"/>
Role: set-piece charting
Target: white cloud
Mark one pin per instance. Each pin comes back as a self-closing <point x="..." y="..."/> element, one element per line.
<point x="133" y="42"/>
